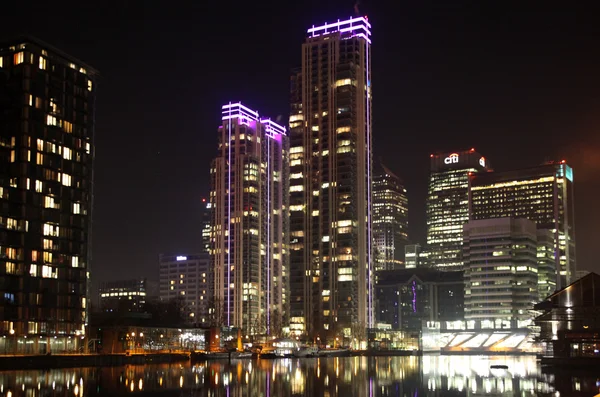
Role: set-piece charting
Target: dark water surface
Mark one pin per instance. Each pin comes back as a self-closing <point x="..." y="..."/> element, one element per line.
<point x="328" y="377"/>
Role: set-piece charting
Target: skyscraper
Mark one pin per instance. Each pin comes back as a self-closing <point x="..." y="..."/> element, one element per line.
<point x="448" y="205"/>
<point x="501" y="270"/>
<point x="390" y="219"/>
<point x="330" y="181"/>
<point x="249" y="200"/>
<point x="46" y="190"/>
<point x="543" y="194"/>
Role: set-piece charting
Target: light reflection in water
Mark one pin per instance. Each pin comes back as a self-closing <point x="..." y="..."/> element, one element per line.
<point x="345" y="377"/>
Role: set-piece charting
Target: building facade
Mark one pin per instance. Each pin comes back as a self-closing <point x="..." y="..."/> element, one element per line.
<point x="543" y="194"/>
<point x="390" y="219"/>
<point x="415" y="256"/>
<point x="501" y="270"/>
<point x="186" y="278"/>
<point x="331" y="259"/>
<point x="250" y="230"/>
<point x="46" y="190"/>
<point x="123" y="295"/>
<point x="407" y="297"/>
<point x="448" y="205"/>
<point x="206" y="221"/>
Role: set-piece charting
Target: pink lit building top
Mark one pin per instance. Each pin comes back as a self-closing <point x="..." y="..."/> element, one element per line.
<point x="353" y="27"/>
<point x="245" y="115"/>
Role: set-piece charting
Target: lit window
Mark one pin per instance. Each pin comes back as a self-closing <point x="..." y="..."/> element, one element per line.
<point x="89" y="85"/>
<point x="74" y="261"/>
<point x="18" y="58"/>
<point x="66" y="179"/>
<point x="76" y="208"/>
<point x="42" y="63"/>
<point x="67" y="153"/>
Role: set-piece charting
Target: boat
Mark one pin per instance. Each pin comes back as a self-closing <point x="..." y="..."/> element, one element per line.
<point x="499" y="366"/>
<point x="334" y="352"/>
<point x="278" y="348"/>
<point x="204" y="355"/>
<point x="241" y="355"/>
<point x="306" y="351"/>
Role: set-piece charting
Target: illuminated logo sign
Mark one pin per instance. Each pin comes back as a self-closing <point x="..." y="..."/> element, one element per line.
<point x="182" y="258"/>
<point x="482" y="161"/>
<point x="452" y="159"/>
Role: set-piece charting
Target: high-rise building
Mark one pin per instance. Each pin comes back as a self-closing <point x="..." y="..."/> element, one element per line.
<point x="250" y="232"/>
<point x="46" y="190"/>
<point x="501" y="270"/>
<point x="123" y="296"/>
<point x="390" y="219"/>
<point x="415" y="256"/>
<point x="543" y="194"/>
<point x="448" y="205"/>
<point x="331" y="266"/>
<point x="187" y="278"/>
<point x="206" y="220"/>
<point x="546" y="263"/>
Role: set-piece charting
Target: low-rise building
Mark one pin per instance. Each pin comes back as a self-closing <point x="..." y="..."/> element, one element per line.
<point x="186" y="278"/>
<point x="407" y="297"/>
<point x="123" y="295"/>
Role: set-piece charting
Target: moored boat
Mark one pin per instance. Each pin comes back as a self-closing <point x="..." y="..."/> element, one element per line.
<point x="334" y="352"/>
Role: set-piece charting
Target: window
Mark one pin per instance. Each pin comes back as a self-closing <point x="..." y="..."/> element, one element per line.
<point x="42" y="63"/>
<point x="19" y="58"/>
<point x="76" y="208"/>
<point x="66" y="179"/>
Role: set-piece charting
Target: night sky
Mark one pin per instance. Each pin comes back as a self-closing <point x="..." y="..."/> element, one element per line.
<point x="519" y="81"/>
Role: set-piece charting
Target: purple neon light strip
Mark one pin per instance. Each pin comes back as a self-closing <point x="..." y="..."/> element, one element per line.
<point x="269" y="245"/>
<point x="369" y="236"/>
<point x="229" y="229"/>
<point x="414" y="299"/>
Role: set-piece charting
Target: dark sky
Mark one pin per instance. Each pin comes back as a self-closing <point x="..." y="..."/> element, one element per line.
<point x="519" y="81"/>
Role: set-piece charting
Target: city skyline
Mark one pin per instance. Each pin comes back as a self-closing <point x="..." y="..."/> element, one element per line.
<point x="556" y="100"/>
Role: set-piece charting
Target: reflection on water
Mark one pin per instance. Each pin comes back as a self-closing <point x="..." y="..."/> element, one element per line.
<point x="351" y="376"/>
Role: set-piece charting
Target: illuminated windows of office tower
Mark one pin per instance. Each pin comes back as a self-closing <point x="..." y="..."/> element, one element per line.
<point x="249" y="235"/>
<point x="390" y="219"/>
<point x="543" y="194"/>
<point x="46" y="185"/>
<point x="448" y="205"/>
<point x="330" y="181"/>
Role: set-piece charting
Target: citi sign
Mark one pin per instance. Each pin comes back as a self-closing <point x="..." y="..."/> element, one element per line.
<point x="452" y="159"/>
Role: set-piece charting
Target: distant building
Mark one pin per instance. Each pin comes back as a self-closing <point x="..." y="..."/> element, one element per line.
<point x="46" y="187"/>
<point x="581" y="274"/>
<point x="543" y="194"/>
<point x="331" y="256"/>
<point x="501" y="270"/>
<point x="546" y="263"/>
<point x="415" y="256"/>
<point x="448" y="205"/>
<point x="407" y="297"/>
<point x="186" y="278"/>
<point x="123" y="295"/>
<point x="390" y="219"/>
<point x="250" y="230"/>
<point x="206" y="219"/>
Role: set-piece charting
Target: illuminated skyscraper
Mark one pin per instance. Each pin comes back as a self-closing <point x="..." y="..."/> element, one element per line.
<point x="543" y="194"/>
<point x="330" y="186"/>
<point x="448" y="205"/>
<point x="249" y="201"/>
<point x="390" y="219"/>
<point x="501" y="270"/>
<point x="46" y="190"/>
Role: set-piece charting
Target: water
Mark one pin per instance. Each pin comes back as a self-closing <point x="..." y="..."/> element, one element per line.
<point x="328" y="377"/>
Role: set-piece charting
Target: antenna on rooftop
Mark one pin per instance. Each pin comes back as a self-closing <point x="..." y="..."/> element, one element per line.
<point x="356" y="10"/>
